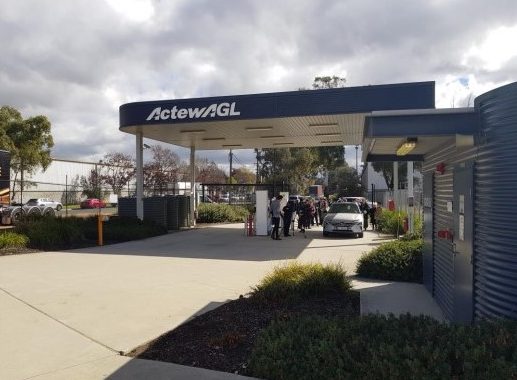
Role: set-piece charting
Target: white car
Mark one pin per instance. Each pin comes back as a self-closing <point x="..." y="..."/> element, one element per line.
<point x="45" y="202"/>
<point x="344" y="218"/>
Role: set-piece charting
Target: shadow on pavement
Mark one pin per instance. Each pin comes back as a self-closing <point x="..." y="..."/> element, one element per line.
<point x="224" y="242"/>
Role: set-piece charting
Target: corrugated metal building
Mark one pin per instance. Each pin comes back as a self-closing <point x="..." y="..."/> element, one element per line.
<point x="469" y="156"/>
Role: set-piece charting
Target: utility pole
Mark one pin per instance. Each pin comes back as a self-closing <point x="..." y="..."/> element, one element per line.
<point x="231" y="164"/>
<point x="356" y="167"/>
<point x="230" y="180"/>
<point x="257" y="180"/>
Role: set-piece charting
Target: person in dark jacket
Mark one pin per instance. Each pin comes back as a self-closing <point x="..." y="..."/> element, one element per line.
<point x="363" y="206"/>
<point x="288" y="210"/>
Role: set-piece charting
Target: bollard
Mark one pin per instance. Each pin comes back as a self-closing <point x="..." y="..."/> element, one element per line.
<point x="250" y="225"/>
<point x="100" y="241"/>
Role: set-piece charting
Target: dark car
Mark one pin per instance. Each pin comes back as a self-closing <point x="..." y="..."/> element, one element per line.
<point x="93" y="203"/>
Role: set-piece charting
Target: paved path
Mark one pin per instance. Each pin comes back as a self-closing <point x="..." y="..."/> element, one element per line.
<point x="67" y="315"/>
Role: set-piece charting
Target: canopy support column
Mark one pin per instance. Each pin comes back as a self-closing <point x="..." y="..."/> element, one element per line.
<point x="193" y="196"/>
<point x="139" y="176"/>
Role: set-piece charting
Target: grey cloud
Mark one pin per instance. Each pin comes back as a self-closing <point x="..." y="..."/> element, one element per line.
<point x="59" y="57"/>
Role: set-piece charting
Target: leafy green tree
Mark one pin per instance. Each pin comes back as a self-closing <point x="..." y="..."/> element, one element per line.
<point x="328" y="82"/>
<point x="343" y="182"/>
<point x="28" y="140"/>
<point x="386" y="169"/>
<point x="295" y="167"/>
<point x="243" y="175"/>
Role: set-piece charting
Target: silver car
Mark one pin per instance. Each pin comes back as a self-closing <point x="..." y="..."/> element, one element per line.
<point x="45" y="202"/>
<point x="344" y="218"/>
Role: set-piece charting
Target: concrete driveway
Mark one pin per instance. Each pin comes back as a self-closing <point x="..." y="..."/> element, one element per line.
<point x="68" y="314"/>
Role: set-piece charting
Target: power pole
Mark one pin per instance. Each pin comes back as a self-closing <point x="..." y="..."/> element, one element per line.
<point x="257" y="180"/>
<point x="356" y="167"/>
<point x="231" y="164"/>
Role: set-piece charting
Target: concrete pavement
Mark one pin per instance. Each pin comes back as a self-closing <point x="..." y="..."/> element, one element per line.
<point x="68" y="314"/>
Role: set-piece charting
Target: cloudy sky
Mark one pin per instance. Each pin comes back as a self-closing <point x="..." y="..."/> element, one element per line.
<point x="77" y="61"/>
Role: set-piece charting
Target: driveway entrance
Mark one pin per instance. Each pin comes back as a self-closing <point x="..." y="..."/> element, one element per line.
<point x="62" y="311"/>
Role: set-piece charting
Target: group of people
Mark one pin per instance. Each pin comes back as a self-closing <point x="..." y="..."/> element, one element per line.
<point x="369" y="212"/>
<point x="309" y="211"/>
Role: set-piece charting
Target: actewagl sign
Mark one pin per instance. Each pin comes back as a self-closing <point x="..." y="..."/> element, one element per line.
<point x="212" y="110"/>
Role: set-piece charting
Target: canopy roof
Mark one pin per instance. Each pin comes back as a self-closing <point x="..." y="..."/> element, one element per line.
<point x="306" y="118"/>
<point x="429" y="129"/>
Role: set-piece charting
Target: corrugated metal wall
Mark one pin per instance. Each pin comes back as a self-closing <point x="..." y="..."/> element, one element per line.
<point x="443" y="266"/>
<point x="443" y="258"/>
<point x="495" y="214"/>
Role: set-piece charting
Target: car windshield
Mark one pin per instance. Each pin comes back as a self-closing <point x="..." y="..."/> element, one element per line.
<point x="346" y="208"/>
<point x="32" y="201"/>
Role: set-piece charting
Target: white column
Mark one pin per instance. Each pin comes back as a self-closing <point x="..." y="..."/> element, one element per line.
<point x="193" y="185"/>
<point x="410" y="194"/>
<point x="139" y="176"/>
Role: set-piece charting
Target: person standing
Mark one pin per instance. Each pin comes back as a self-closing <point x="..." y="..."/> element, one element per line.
<point x="363" y="206"/>
<point x="288" y="210"/>
<point x="276" y="213"/>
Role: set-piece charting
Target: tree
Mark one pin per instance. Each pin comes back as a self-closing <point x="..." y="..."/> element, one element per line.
<point x="295" y="167"/>
<point x="162" y="171"/>
<point x="386" y="169"/>
<point x="28" y="140"/>
<point x="209" y="172"/>
<point x="71" y="196"/>
<point x="117" y="170"/>
<point x="328" y="82"/>
<point x="344" y="181"/>
<point x="92" y="185"/>
<point x="243" y="175"/>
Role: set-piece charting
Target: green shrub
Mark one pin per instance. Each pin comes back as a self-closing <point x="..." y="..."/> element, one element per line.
<point x="64" y="233"/>
<point x="125" y="229"/>
<point x="13" y="240"/>
<point x="395" y="260"/>
<point x="294" y="281"/>
<point x="220" y="212"/>
<point x="380" y="347"/>
<point x="391" y="222"/>
<point x="51" y="233"/>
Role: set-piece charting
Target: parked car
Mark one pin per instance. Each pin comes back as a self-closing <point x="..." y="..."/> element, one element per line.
<point x="93" y="203"/>
<point x="343" y="218"/>
<point x="45" y="202"/>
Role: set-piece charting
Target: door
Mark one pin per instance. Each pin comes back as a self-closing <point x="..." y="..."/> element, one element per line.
<point x="427" y="254"/>
<point x="462" y="247"/>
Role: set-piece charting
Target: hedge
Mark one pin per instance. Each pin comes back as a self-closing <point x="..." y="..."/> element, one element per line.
<point x="380" y="347"/>
<point x="294" y="281"/>
<point x="220" y="213"/>
<point x="396" y="260"/>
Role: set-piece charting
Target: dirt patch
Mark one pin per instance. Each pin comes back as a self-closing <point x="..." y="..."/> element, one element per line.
<point x="222" y="339"/>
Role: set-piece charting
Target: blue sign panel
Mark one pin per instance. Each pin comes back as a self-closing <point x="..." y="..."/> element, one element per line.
<point x="283" y="104"/>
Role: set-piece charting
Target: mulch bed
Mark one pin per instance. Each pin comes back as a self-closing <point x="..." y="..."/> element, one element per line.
<point x="17" y="251"/>
<point x="223" y="339"/>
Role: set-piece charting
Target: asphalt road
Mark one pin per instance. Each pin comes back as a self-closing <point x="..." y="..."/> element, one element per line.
<point x="88" y="211"/>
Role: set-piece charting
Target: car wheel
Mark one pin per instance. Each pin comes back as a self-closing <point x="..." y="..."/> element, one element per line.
<point x="325" y="233"/>
<point x="59" y="207"/>
<point x="360" y="235"/>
